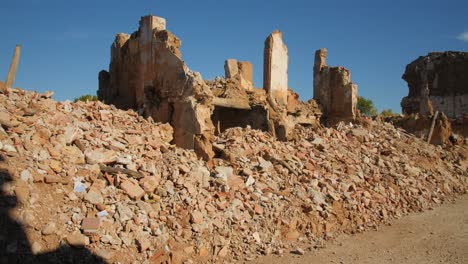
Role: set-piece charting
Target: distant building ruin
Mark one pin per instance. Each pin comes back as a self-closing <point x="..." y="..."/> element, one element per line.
<point x="438" y="82"/>
<point x="147" y="73"/>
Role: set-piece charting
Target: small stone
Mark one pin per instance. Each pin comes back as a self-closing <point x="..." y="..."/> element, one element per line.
<point x="94" y="197"/>
<point x="72" y="196"/>
<point x="256" y="236"/>
<point x="249" y="181"/>
<point x="22" y="194"/>
<point x="25" y="175"/>
<point x="235" y="182"/>
<point x="258" y="209"/>
<point x="143" y="244"/>
<point x="100" y="156"/>
<point x="264" y="164"/>
<point x="36" y="247"/>
<point x="292" y="235"/>
<point x="201" y="176"/>
<point x="298" y="251"/>
<point x="47" y="94"/>
<point x="197" y="217"/>
<point x="125" y="213"/>
<point x="224" y="172"/>
<point x="55" y="165"/>
<point x="132" y="189"/>
<point x="203" y="252"/>
<point x="73" y="154"/>
<point x="104" y="254"/>
<point x="189" y="250"/>
<point x="149" y="184"/>
<point x="77" y="240"/>
<point x="247" y="172"/>
<point x="115" y="145"/>
<point x="49" y="229"/>
<point x="184" y="169"/>
<point x="223" y="252"/>
<point x="9" y="148"/>
<point x="90" y="224"/>
<point x="52" y="179"/>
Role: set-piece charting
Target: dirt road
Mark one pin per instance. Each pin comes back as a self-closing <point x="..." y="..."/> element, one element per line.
<point x="438" y="236"/>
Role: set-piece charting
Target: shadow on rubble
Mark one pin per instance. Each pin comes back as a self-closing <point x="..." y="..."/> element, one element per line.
<point x="14" y="244"/>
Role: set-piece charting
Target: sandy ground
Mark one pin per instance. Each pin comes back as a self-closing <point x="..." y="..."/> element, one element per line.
<point x="438" y="236"/>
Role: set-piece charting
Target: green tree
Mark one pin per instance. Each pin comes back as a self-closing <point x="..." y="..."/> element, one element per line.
<point x="366" y="106"/>
<point x="387" y="112"/>
<point x="86" y="98"/>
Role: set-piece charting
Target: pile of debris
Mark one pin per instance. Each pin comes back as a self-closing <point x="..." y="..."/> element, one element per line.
<point x="90" y="175"/>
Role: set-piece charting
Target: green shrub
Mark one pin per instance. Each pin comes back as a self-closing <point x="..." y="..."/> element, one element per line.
<point x="387" y="113"/>
<point x="86" y="98"/>
<point x="366" y="106"/>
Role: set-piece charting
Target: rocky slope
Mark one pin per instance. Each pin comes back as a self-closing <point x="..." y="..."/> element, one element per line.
<point x="88" y="178"/>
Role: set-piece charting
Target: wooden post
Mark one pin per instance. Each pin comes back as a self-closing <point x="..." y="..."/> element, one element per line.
<point x="434" y="118"/>
<point x="13" y="67"/>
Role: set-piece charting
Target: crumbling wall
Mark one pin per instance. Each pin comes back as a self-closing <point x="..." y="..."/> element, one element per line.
<point x="333" y="90"/>
<point x="438" y="81"/>
<point x="147" y="73"/>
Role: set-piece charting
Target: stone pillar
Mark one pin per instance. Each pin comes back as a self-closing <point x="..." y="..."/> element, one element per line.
<point x="13" y="67"/>
<point x="275" y="68"/>
<point x="148" y="25"/>
<point x="322" y="96"/>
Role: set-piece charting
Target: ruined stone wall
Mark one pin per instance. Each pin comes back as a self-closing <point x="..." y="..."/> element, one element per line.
<point x="438" y="81"/>
<point x="333" y="90"/>
<point x="147" y="73"/>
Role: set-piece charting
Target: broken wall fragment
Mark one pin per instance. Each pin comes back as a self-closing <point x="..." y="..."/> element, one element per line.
<point x="239" y="71"/>
<point x="334" y="90"/>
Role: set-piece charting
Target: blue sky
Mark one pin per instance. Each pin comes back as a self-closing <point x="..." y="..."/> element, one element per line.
<point x="66" y="43"/>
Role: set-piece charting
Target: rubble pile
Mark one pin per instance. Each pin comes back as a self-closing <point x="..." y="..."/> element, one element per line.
<point x="90" y="175"/>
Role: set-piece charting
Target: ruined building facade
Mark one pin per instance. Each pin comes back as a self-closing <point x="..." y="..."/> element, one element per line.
<point x="438" y="82"/>
<point x="334" y="91"/>
<point x="147" y="73"/>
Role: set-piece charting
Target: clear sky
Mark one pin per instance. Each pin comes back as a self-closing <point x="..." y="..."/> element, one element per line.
<point x="66" y="43"/>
